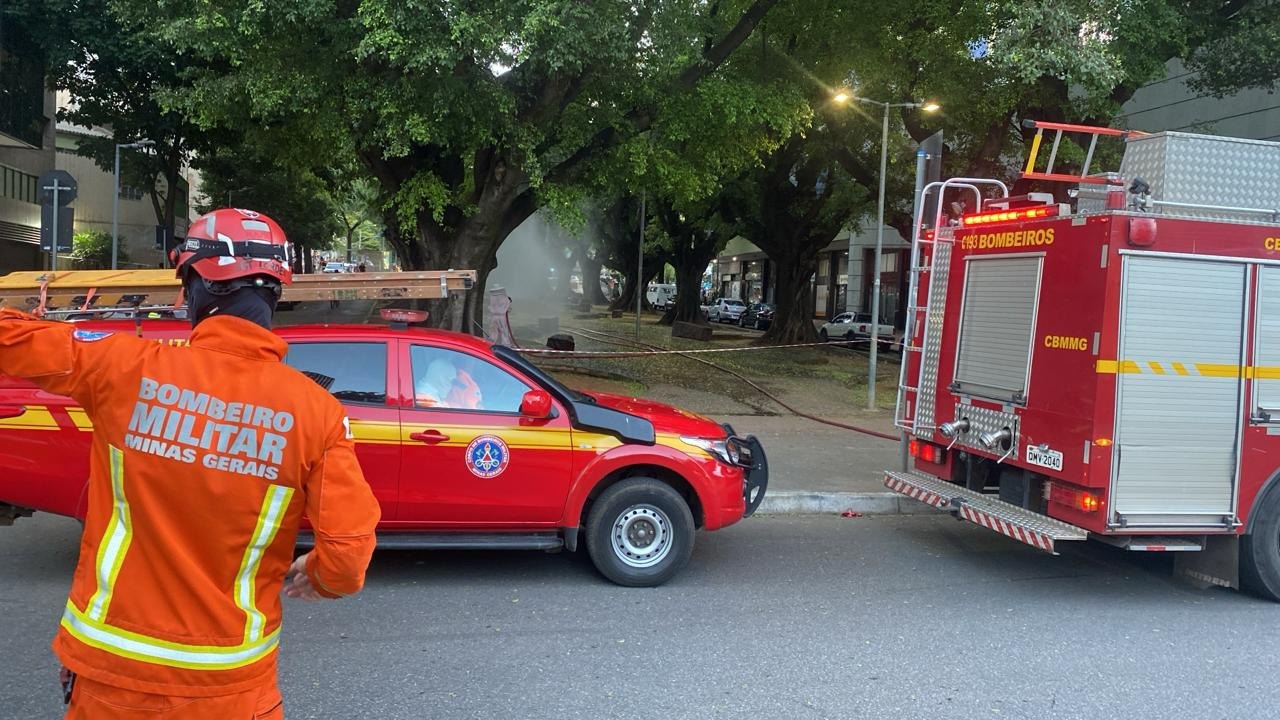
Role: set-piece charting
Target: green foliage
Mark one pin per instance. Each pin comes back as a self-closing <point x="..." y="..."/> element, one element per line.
<point x="92" y="250"/>
<point x="115" y="76"/>
<point x="429" y="94"/>
<point x="249" y="174"/>
<point x="1243" y="52"/>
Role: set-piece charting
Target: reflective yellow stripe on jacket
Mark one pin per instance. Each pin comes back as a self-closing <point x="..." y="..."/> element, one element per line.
<point x="273" y="507"/>
<point x="115" y="543"/>
<point x="89" y="626"/>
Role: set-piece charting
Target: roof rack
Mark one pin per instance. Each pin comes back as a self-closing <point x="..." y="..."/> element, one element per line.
<point x="105" y="291"/>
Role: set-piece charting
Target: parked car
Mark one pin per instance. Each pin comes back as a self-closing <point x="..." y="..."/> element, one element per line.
<point x="853" y="326"/>
<point x="725" y="310"/>
<point x="757" y="315"/>
<point x="513" y="460"/>
<point x="660" y="296"/>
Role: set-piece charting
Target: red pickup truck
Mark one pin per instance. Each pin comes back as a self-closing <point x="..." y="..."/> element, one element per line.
<point x="465" y="444"/>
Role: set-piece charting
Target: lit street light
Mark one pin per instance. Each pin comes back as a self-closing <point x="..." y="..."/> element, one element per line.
<point x="844" y="97"/>
<point x="115" y="200"/>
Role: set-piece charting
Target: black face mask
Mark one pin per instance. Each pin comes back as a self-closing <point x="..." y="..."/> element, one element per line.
<point x="255" y="304"/>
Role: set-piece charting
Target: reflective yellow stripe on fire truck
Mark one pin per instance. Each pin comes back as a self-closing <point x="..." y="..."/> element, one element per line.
<point x="1156" y="367"/>
<point x="246" y="590"/>
<point x="162" y="652"/>
<point x="115" y="541"/>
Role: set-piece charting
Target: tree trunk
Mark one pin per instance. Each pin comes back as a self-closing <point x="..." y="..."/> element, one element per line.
<point x="502" y="202"/>
<point x="793" y="320"/>
<point x="689" y="289"/>
<point x="590" y="266"/>
<point x="627" y="298"/>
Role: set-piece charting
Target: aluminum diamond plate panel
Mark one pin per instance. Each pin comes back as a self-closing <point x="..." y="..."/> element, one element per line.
<point x="1206" y="170"/>
<point x="982" y="420"/>
<point x="1034" y="529"/>
<point x="927" y="394"/>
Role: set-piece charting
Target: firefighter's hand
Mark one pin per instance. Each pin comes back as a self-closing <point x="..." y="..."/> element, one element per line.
<point x="296" y="582"/>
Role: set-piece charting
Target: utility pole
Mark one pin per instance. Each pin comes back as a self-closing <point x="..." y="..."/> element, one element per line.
<point x="644" y="195"/>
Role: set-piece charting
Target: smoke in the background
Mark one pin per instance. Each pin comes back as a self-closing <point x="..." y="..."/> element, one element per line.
<point x="534" y="266"/>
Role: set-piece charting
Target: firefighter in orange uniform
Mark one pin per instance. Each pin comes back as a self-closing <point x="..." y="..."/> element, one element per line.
<point x="204" y="459"/>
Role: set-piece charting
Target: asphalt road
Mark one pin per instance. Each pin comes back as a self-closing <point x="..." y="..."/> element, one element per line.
<point x="817" y="617"/>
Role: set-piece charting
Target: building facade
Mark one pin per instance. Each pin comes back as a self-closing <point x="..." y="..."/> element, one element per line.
<point x="137" y="216"/>
<point x="27" y="141"/>
<point x="1171" y="104"/>
<point x="744" y="272"/>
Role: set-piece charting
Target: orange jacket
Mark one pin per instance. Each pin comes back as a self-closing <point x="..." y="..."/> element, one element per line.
<point x="204" y="459"/>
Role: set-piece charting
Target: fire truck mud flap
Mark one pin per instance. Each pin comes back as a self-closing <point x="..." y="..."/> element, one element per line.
<point x="1034" y="529"/>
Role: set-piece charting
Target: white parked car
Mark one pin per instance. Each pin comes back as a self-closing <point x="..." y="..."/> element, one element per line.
<point x="725" y="310"/>
<point x="853" y="326"/>
<point x="660" y="295"/>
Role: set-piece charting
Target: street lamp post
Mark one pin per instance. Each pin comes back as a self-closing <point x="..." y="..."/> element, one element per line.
<point x="115" y="201"/>
<point x="874" y="334"/>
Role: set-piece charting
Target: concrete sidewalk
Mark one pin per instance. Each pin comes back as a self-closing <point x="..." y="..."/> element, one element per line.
<point x="821" y="469"/>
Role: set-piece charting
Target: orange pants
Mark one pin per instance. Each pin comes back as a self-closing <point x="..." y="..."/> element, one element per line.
<point x="92" y="700"/>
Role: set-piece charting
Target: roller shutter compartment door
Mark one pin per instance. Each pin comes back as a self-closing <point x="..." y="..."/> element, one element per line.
<point x="1266" y="378"/>
<point x="1178" y="392"/>
<point x="997" y="319"/>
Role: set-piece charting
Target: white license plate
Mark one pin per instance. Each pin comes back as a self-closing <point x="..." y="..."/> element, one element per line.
<point x="1051" y="459"/>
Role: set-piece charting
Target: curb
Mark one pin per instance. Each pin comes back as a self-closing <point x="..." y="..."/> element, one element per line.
<point x="805" y="502"/>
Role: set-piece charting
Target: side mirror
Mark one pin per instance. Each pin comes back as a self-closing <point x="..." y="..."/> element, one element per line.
<point x="536" y="404"/>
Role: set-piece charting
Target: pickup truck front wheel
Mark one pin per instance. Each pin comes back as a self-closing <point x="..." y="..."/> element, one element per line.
<point x="640" y="532"/>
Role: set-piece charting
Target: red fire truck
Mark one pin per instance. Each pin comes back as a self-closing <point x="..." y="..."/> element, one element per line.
<point x="1107" y="368"/>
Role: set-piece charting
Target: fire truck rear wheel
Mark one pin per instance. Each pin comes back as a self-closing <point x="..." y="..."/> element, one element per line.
<point x="640" y="532"/>
<point x="1260" y="549"/>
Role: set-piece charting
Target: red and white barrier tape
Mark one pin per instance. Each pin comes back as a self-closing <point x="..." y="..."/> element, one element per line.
<point x="605" y="354"/>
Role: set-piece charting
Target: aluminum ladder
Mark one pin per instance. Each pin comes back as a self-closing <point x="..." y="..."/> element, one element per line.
<point x="1094" y="132"/>
<point x="913" y="348"/>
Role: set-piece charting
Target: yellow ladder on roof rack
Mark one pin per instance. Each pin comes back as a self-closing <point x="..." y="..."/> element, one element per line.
<point x="98" y="291"/>
<point x="1093" y="131"/>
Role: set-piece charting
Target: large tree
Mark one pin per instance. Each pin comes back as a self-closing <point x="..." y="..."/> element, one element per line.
<point x="247" y="172"/>
<point x="694" y="239"/>
<point x="470" y="116"/>
<point x="115" y="78"/>
<point x="990" y="64"/>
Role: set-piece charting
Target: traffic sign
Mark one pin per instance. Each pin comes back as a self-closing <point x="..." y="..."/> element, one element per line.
<point x="66" y="187"/>
<point x="66" y="218"/>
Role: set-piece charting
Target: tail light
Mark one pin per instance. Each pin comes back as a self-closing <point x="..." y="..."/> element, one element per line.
<point x="927" y="452"/>
<point x="1083" y="501"/>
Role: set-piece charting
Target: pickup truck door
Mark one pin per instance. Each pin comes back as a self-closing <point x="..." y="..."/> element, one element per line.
<point x="356" y="372"/>
<point x="471" y="461"/>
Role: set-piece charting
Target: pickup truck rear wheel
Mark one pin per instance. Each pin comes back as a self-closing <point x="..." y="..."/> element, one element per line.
<point x="1260" y="549"/>
<point x="640" y="532"/>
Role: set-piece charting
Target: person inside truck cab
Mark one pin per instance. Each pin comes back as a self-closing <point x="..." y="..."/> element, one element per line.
<point x="205" y="456"/>
<point x="444" y="385"/>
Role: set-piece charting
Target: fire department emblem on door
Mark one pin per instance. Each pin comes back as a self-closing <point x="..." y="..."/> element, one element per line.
<point x="487" y="456"/>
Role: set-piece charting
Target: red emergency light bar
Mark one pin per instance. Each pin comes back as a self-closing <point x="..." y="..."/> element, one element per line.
<point x="397" y="315"/>
<point x="1032" y="213"/>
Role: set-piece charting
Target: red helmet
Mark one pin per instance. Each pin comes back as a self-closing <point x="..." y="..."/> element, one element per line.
<point x="231" y="244"/>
